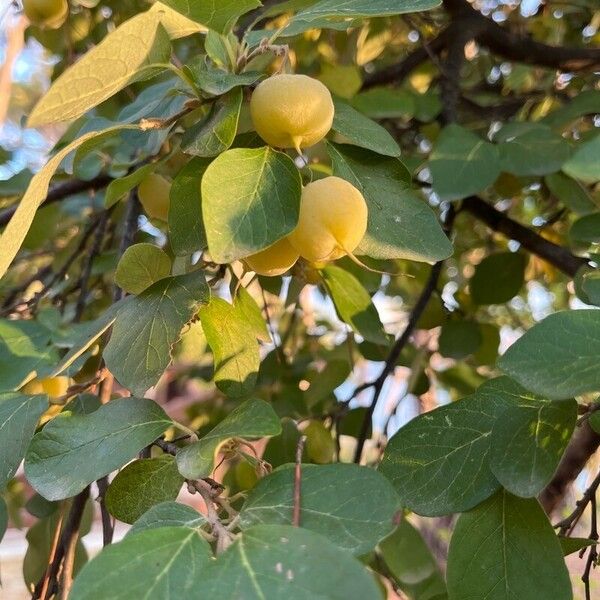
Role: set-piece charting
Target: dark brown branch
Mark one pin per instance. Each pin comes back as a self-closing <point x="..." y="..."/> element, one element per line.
<point x="583" y="444"/>
<point x="62" y="191"/>
<point x="556" y="255"/>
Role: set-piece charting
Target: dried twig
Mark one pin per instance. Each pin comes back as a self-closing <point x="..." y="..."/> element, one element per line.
<point x="298" y="481"/>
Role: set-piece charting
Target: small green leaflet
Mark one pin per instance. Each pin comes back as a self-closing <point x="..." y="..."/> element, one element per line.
<point x="250" y="199"/>
<point x="16" y="230"/>
<point x="165" y="562"/>
<point x="141" y="485"/>
<point x="252" y="419"/>
<point x="354" y="304"/>
<point x="558" y="357"/>
<point x="118" y="188"/>
<point x="362" y="131"/>
<point x="234" y="346"/>
<point x="280" y="561"/>
<point x="334" y="504"/>
<point x="19" y="416"/>
<point x="401" y="225"/>
<point x="140" y="266"/>
<point x="169" y="514"/>
<point x="506" y="549"/>
<point x="73" y="450"/>
<point x="218" y="15"/>
<point x="462" y="164"/>
<point x="117" y="61"/>
<point x="147" y="326"/>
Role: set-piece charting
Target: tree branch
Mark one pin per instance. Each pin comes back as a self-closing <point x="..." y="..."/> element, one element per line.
<point x="556" y="255"/>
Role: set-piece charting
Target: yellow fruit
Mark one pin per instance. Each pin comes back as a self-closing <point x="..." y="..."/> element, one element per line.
<point x="33" y="387"/>
<point x="46" y="13"/>
<point x="55" y="387"/>
<point x="153" y="192"/>
<point x="333" y="220"/>
<point x="320" y="446"/>
<point x="292" y="111"/>
<point x="274" y="260"/>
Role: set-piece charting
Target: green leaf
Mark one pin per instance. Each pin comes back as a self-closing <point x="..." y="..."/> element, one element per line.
<point x="16" y="230"/>
<point x="571" y="193"/>
<point x="439" y="461"/>
<point x="234" y="347"/>
<point x="364" y="8"/>
<point x="462" y="164"/>
<point x="324" y="381"/>
<point x="385" y="103"/>
<point x="118" y="60"/>
<point x="585" y="163"/>
<point x="73" y="450"/>
<point x="458" y="339"/>
<point x="250" y="199"/>
<point x="407" y="555"/>
<point x="215" y="133"/>
<point x="506" y="549"/>
<point x="335" y="503"/>
<point x="558" y="357"/>
<point x="353" y="304"/>
<point x="591" y="286"/>
<point x="279" y="561"/>
<point x="251" y="419"/>
<point x="362" y="131"/>
<point x="218" y="15"/>
<point x="586" y="229"/>
<point x="140" y="266"/>
<point x="142" y="484"/>
<point x="168" y="562"/>
<point x="401" y="225"/>
<point x="19" y="416"/>
<point x="186" y="228"/>
<point x="251" y="313"/>
<point x="169" y="514"/>
<point x="535" y="150"/>
<point x="218" y="82"/>
<point x="529" y="438"/>
<point x="176" y="25"/>
<point x="118" y="188"/>
<point x="571" y="545"/>
<point x="24" y="349"/>
<point x="498" y="278"/>
<point x="147" y="327"/>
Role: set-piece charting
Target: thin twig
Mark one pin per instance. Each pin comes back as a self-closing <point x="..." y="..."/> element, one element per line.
<point x="298" y="482"/>
<point x="52" y="555"/>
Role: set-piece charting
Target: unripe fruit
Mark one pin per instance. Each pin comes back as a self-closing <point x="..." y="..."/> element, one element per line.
<point x="154" y="194"/>
<point x="333" y="220"/>
<point x="291" y="111"/>
<point x="274" y="260"/>
<point x="55" y="387"/>
<point x="320" y="446"/>
<point x="46" y="13"/>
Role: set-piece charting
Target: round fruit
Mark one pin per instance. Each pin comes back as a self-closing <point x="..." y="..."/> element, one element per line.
<point x="333" y="220"/>
<point x="320" y="446"/>
<point x="154" y="194"/>
<point x="46" y="13"/>
<point x="274" y="260"/>
<point x="292" y="111"/>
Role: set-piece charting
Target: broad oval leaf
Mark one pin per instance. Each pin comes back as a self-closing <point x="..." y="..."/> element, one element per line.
<point x="105" y="69"/>
<point x="250" y="199"/>
<point x="234" y="346"/>
<point x="506" y="549"/>
<point x="169" y="514"/>
<point x="462" y="164"/>
<point x="362" y="131"/>
<point x="142" y="484"/>
<point x="585" y="162"/>
<point x="401" y="225"/>
<point x="18" y="418"/>
<point x="498" y="278"/>
<point x="439" y="461"/>
<point x="279" y="561"/>
<point x="571" y="193"/>
<point x="252" y="419"/>
<point x="334" y="503"/>
<point x="168" y="562"/>
<point x="558" y="357"/>
<point x="148" y="325"/>
<point x="354" y="305"/>
<point x="140" y="266"/>
<point x="73" y="450"/>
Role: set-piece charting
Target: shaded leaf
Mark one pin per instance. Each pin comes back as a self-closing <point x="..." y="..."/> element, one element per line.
<point x="169" y="514"/>
<point x="140" y="266"/>
<point x="585" y="162"/>
<point x="498" y="278"/>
